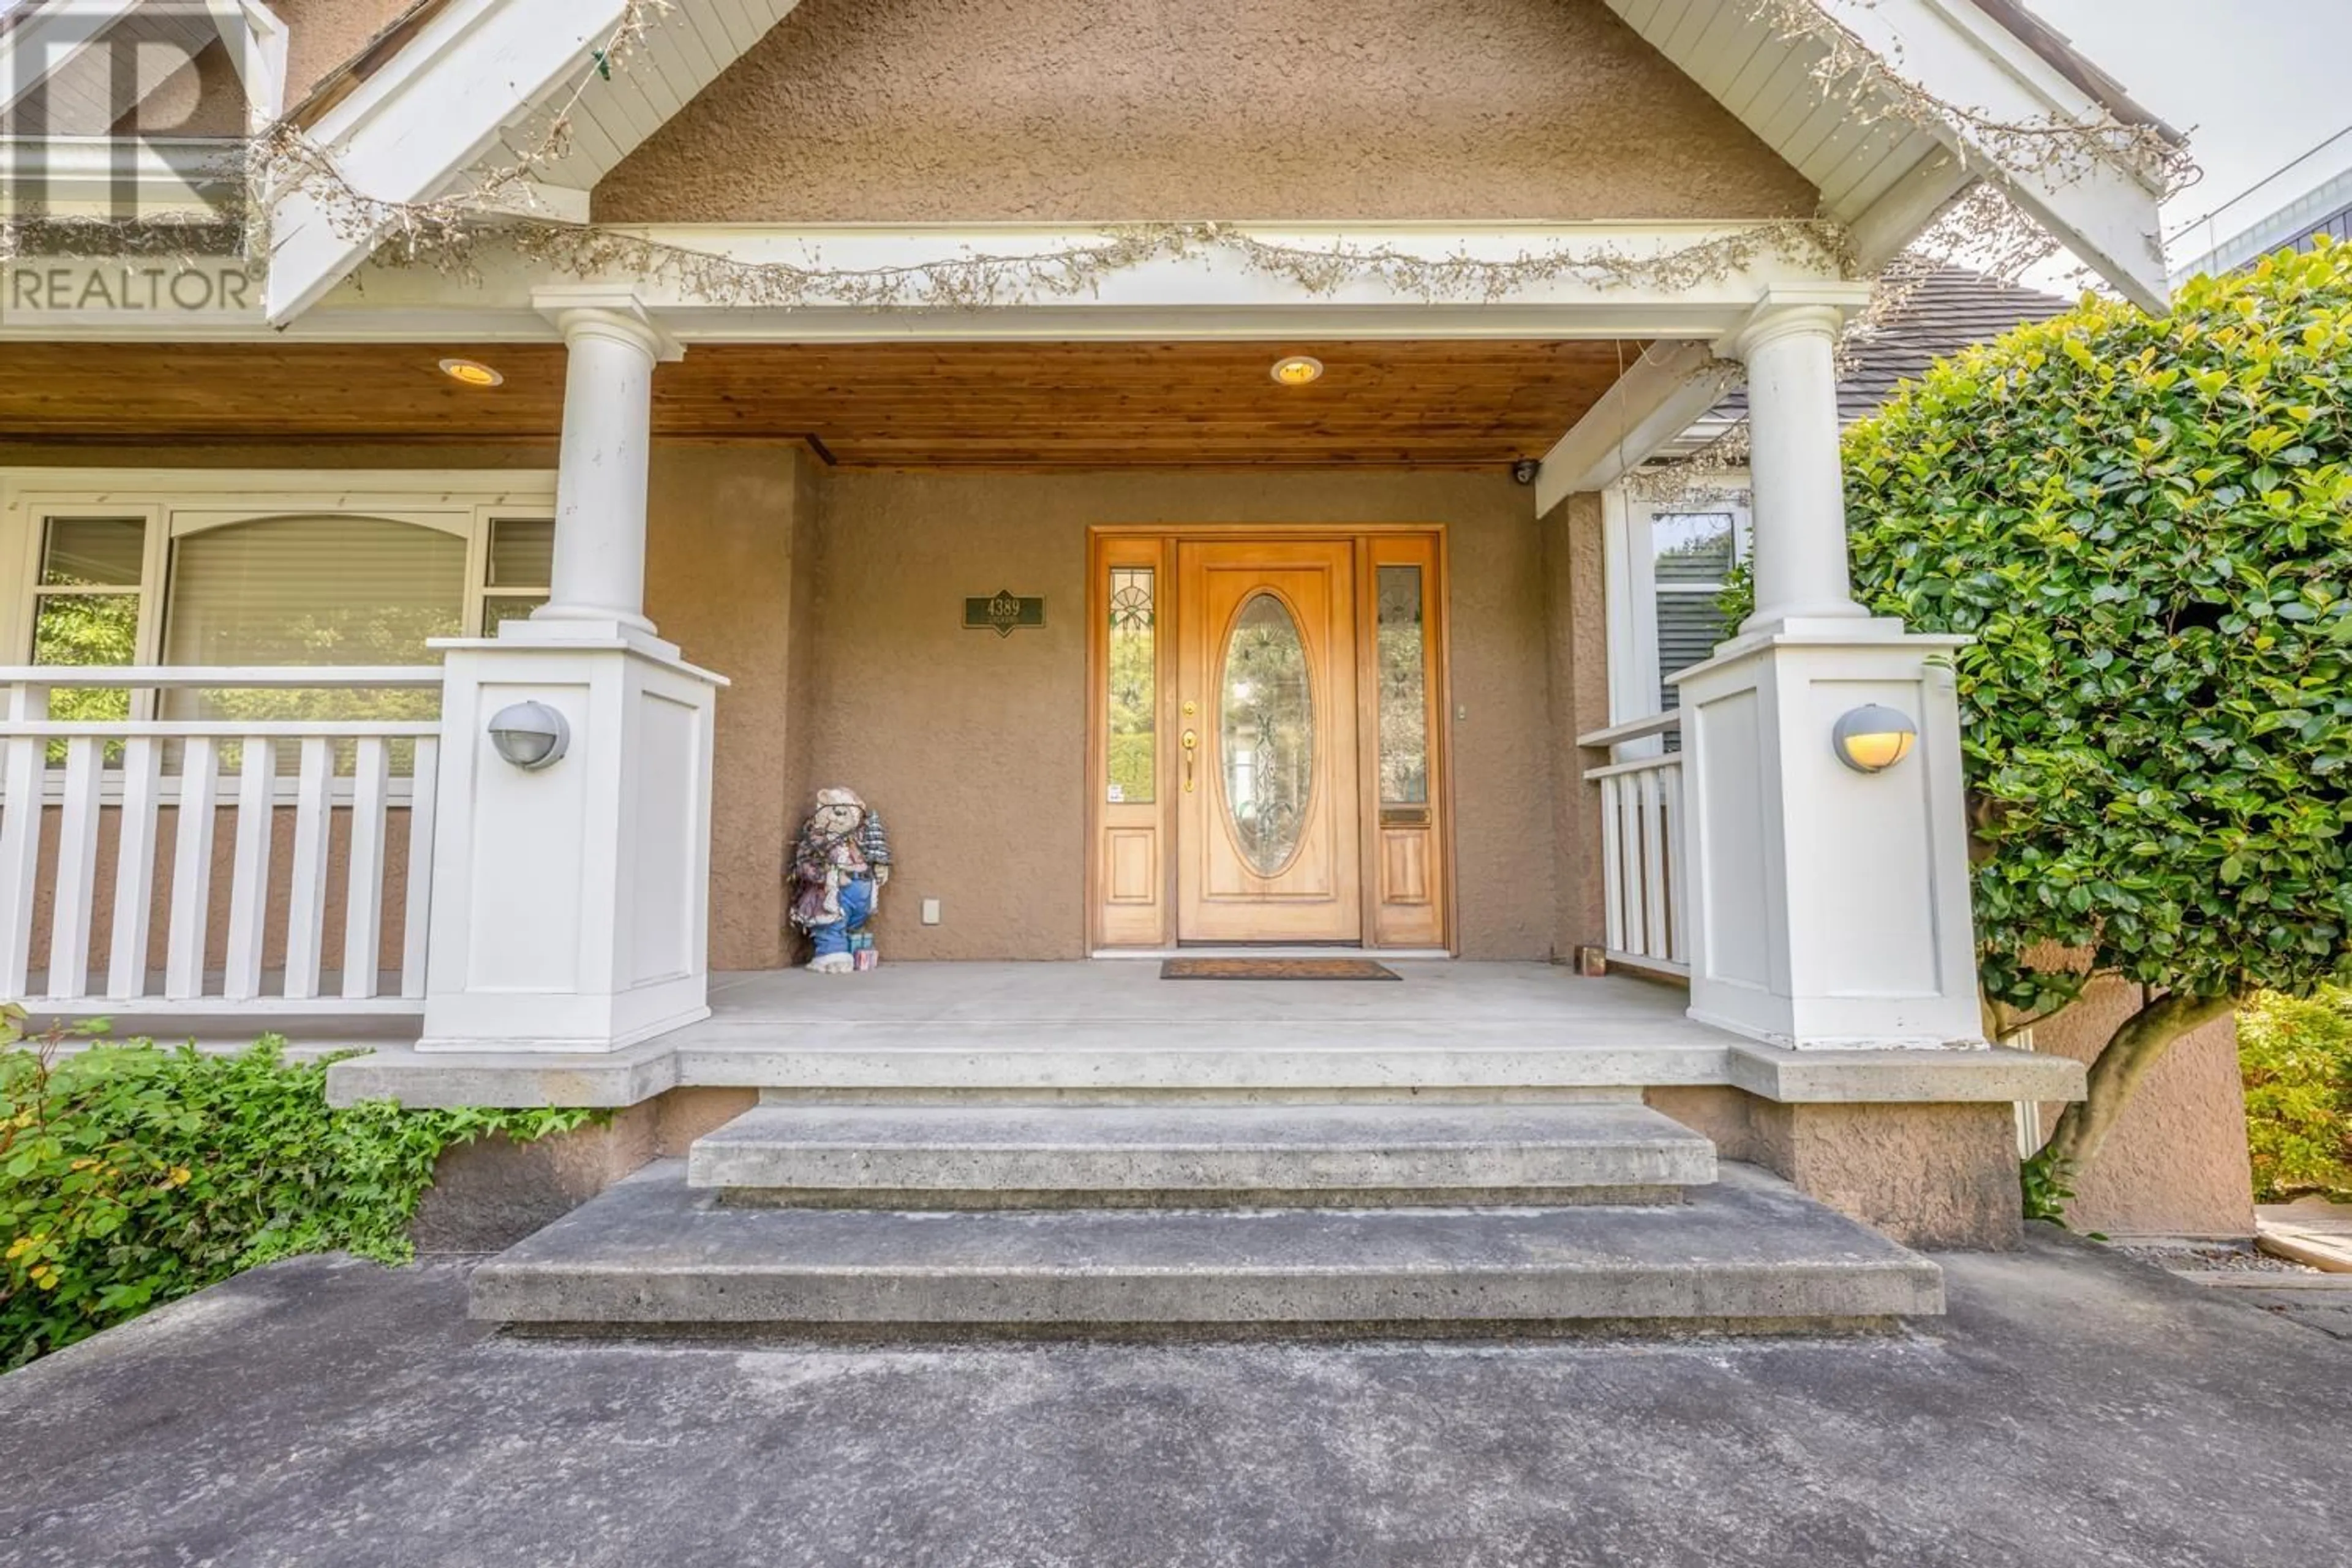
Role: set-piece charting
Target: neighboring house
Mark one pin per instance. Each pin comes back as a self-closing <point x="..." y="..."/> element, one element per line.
<point x="1143" y="635"/>
<point x="2322" y="206"/>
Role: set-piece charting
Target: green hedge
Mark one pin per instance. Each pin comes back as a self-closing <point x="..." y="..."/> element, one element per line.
<point x="2296" y="1058"/>
<point x="131" y="1175"/>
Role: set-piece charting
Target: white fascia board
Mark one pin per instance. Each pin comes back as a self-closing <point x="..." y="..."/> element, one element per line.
<point x="1657" y="399"/>
<point x="415" y="128"/>
<point x="42" y="42"/>
<point x="2107" y="214"/>
<point x="1211" y="293"/>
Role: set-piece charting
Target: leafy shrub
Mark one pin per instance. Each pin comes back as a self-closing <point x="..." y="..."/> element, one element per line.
<point x="2296" y="1058"/>
<point x="131" y="1175"/>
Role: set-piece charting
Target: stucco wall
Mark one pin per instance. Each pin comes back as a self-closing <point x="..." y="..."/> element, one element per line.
<point x="1928" y="1175"/>
<point x="916" y="111"/>
<point x="973" y="746"/>
<point x="724" y="534"/>
<point x="1576" y="647"/>
<point x="323" y="34"/>
<point x="2176" y="1164"/>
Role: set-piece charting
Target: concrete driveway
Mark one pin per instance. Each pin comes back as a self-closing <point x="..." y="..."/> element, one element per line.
<point x="2076" y="1408"/>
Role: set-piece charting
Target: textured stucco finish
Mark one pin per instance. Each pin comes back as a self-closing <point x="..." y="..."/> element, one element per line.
<point x="323" y="34"/>
<point x="1576" y="651"/>
<point x="2176" y="1164"/>
<point x="937" y="111"/>
<point x="1939" y="1175"/>
<point x="974" y="746"/>
<point x="489" y="1194"/>
<point x="723" y="524"/>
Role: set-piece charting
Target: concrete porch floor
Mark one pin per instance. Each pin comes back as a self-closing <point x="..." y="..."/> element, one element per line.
<point x="1114" y="1026"/>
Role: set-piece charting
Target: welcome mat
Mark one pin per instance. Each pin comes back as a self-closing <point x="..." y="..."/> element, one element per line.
<point x="1275" y="969"/>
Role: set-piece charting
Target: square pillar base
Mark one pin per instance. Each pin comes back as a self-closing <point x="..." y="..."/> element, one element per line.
<point x="571" y="902"/>
<point x="1830" y="908"/>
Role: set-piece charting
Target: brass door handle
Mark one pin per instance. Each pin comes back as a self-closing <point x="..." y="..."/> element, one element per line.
<point x="1192" y="745"/>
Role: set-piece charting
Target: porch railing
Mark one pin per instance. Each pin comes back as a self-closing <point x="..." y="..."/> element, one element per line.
<point x="320" y="904"/>
<point x="1641" y="840"/>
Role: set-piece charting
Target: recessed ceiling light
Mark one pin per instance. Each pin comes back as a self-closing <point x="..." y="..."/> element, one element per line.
<point x="473" y="373"/>
<point x="1296" y="371"/>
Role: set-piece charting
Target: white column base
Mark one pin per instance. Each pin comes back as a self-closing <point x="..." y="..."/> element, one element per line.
<point x="1829" y="908"/>
<point x="571" y="903"/>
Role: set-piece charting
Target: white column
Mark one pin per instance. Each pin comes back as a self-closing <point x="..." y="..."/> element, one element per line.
<point x="570" y="903"/>
<point x="599" y="583"/>
<point x="1800" y="564"/>
<point x="1827" y="908"/>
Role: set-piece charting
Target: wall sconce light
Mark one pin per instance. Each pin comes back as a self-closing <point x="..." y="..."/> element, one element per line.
<point x="1873" y="739"/>
<point x="530" y="735"/>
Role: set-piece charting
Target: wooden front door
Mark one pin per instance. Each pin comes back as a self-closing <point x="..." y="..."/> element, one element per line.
<point x="1269" y="829"/>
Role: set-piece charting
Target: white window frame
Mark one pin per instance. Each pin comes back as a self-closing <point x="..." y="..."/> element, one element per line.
<point x="1629" y="568"/>
<point x="177" y="503"/>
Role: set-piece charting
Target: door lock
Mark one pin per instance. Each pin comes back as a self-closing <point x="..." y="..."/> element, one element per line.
<point x="1192" y="745"/>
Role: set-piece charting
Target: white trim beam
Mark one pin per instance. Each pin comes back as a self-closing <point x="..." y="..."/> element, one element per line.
<point x="1657" y="399"/>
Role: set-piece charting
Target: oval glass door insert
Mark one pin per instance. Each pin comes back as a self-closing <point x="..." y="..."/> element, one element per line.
<point x="1268" y="727"/>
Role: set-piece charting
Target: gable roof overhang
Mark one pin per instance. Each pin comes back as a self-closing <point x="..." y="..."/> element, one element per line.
<point x="1886" y="175"/>
<point x="474" y="79"/>
<point x="53" y="47"/>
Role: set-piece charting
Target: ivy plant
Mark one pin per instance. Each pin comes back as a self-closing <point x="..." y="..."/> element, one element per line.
<point x="131" y="1175"/>
<point x="2145" y="526"/>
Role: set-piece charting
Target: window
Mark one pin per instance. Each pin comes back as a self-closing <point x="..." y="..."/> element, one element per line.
<point x="1134" y="688"/>
<point x="86" y="606"/>
<point x="1691" y="556"/>
<point x="221" y="568"/>
<point x="235" y="582"/>
<point x="1404" y="690"/>
<point x="521" y="566"/>
<point x="1667" y="565"/>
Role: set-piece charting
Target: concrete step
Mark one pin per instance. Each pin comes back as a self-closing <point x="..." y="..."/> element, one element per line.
<point x="1026" y="1156"/>
<point x="1747" y="1253"/>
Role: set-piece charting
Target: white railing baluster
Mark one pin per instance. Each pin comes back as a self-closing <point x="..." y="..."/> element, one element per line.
<point x="1678" y="949"/>
<point x="415" y="928"/>
<point x="76" y="875"/>
<point x="1653" y="862"/>
<point x="134" y="867"/>
<point x="1644" y="883"/>
<point x="20" y="837"/>
<point x="248" y="876"/>
<point x="1612" y="869"/>
<point x="363" y="904"/>
<point x="306" y="897"/>
<point x="176" y="763"/>
<point x="191" y="871"/>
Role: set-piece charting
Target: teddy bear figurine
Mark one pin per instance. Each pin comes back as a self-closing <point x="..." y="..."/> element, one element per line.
<point x="840" y="864"/>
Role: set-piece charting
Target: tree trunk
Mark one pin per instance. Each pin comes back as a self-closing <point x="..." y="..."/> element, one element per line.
<point x="2138" y="1043"/>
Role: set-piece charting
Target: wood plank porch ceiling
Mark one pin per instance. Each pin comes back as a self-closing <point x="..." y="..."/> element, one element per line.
<point x="966" y="405"/>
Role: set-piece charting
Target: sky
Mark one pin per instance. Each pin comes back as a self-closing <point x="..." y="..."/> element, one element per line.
<point x="2254" y="83"/>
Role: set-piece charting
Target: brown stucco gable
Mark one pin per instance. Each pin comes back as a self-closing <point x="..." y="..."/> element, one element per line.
<point x="1084" y="111"/>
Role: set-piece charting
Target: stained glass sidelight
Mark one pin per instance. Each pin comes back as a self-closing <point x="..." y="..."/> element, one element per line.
<point x="1404" y="688"/>
<point x="1134" y="687"/>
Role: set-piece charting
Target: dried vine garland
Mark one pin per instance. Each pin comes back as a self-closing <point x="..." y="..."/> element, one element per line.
<point x="444" y="232"/>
